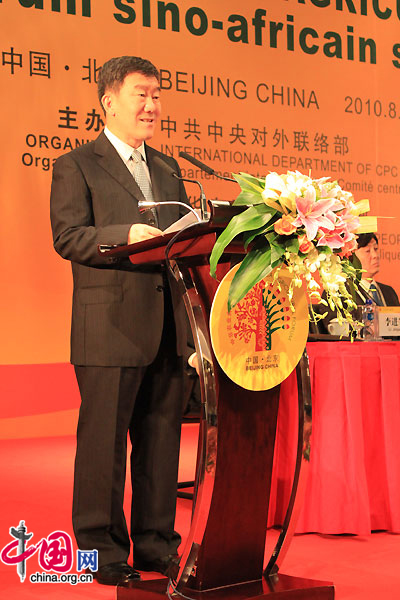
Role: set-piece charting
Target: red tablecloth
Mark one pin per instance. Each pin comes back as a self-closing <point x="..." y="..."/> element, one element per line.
<point x="354" y="478"/>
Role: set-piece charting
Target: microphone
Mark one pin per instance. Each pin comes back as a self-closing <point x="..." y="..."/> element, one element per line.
<point x="203" y="201"/>
<point x="203" y="167"/>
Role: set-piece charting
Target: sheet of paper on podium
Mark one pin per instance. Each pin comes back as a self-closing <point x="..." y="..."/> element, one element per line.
<point x="183" y="222"/>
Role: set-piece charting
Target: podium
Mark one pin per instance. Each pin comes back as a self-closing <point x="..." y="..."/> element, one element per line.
<point x="224" y="553"/>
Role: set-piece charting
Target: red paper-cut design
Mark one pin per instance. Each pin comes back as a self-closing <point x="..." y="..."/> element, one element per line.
<point x="264" y="310"/>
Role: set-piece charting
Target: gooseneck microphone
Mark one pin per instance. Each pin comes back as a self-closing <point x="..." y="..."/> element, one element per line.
<point x="203" y="201"/>
<point x="203" y="167"/>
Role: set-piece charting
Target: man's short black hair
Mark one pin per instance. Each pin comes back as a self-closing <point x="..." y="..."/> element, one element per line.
<point x="365" y="238"/>
<point x="112" y="74"/>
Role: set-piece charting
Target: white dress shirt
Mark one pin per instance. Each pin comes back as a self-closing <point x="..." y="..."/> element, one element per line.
<point x="365" y="284"/>
<point x="125" y="150"/>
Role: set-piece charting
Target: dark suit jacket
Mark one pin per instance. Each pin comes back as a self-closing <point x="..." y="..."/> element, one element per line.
<point x="389" y="296"/>
<point x="117" y="313"/>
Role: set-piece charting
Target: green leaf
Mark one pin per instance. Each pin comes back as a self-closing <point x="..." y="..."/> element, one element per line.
<point x="249" y="183"/>
<point x="356" y="264"/>
<point x="277" y="251"/>
<point x="250" y="235"/>
<point x="292" y="245"/>
<point x="271" y="237"/>
<point x="325" y="250"/>
<point x="252" y="218"/>
<point x="277" y="248"/>
<point x="248" y="198"/>
<point x="255" y="266"/>
<point x="353" y="269"/>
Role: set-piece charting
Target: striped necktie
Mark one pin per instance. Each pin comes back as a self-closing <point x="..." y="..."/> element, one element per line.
<point x="373" y="290"/>
<point x="143" y="181"/>
<point x="140" y="176"/>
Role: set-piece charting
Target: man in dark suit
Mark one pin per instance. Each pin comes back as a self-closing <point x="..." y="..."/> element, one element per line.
<point x="382" y="294"/>
<point x="368" y="254"/>
<point x="128" y="328"/>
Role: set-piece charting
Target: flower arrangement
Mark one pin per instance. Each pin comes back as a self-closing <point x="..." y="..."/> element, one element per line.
<point x="310" y="226"/>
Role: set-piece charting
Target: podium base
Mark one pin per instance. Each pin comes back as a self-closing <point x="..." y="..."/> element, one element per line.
<point x="279" y="587"/>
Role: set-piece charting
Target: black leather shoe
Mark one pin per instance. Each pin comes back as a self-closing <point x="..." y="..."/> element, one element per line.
<point x="115" y="574"/>
<point x="162" y="565"/>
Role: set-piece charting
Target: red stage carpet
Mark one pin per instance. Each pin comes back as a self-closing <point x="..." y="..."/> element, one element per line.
<point x="36" y="477"/>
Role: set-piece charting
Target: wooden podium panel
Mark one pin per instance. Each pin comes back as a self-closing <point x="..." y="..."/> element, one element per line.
<point x="224" y="552"/>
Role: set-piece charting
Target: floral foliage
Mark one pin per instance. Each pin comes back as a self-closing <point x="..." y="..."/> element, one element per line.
<point x="308" y="225"/>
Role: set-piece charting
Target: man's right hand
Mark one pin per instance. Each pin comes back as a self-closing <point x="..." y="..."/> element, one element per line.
<point x="193" y="362"/>
<point x="139" y="232"/>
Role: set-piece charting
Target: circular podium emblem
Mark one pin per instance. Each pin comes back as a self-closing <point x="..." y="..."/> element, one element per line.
<point x="261" y="340"/>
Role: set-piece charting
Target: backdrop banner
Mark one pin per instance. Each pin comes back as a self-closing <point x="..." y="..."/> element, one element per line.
<point x="247" y="86"/>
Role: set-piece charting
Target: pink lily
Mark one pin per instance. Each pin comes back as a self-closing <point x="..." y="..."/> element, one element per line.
<point x="351" y="220"/>
<point x="314" y="214"/>
<point x="336" y="238"/>
<point x="330" y="238"/>
<point x="348" y="248"/>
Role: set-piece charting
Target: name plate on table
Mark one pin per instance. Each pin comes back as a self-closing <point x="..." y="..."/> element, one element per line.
<point x="389" y="321"/>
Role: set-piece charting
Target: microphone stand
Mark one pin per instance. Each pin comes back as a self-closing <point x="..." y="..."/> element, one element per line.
<point x="204" y="167"/>
<point x="203" y="199"/>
